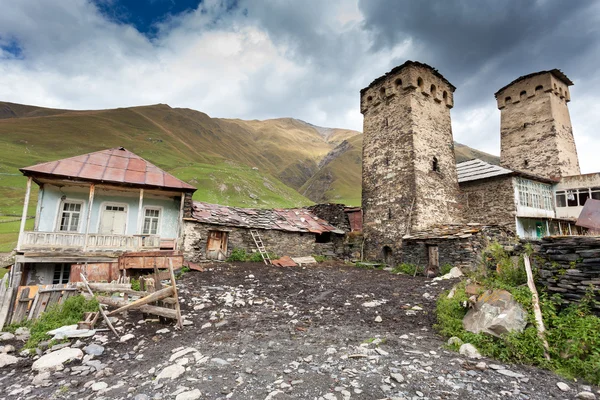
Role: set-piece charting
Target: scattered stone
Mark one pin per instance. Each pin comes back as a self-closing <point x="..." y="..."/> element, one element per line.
<point x="563" y="386"/>
<point x="189" y="395"/>
<point x="171" y="372"/>
<point x="98" y="386"/>
<point x="397" y="377"/>
<point x="54" y="361"/>
<point x="509" y="373"/>
<point x="127" y="337"/>
<point x="219" y="361"/>
<point x="455" y="272"/>
<point x="378" y="318"/>
<point x="42" y="379"/>
<point x="94" y="349"/>
<point x="6" y="336"/>
<point x="455" y="341"/>
<point x="161" y="331"/>
<point x="6" y="359"/>
<point x="9" y="348"/>
<point x="586" y="396"/>
<point x="470" y="351"/>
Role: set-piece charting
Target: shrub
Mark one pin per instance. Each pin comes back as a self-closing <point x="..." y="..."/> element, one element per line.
<point x="256" y="257"/>
<point x="135" y="284"/>
<point x="237" y="255"/>
<point x="320" y="258"/>
<point x="445" y="269"/>
<point x="409" y="269"/>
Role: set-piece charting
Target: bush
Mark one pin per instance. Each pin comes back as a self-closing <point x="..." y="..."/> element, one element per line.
<point x="135" y="284"/>
<point x="320" y="259"/>
<point x="504" y="268"/>
<point x="409" y="269"/>
<point x="237" y="255"/>
<point x="256" y="257"/>
<point x="446" y="269"/>
<point x="68" y="313"/>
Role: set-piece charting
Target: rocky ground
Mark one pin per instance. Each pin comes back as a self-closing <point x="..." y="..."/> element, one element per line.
<point x="258" y="332"/>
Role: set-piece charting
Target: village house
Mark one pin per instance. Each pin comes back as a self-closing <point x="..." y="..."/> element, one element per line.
<point x="213" y="231"/>
<point x="101" y="213"/>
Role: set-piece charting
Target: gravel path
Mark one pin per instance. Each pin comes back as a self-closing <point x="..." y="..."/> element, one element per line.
<point x="257" y="332"/>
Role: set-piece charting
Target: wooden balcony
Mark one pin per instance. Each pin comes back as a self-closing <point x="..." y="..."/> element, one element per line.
<point x="96" y="242"/>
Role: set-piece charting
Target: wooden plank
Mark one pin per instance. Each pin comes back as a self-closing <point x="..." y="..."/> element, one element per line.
<point x="21" y="307"/>
<point x="146" y="309"/>
<point x="42" y="302"/>
<point x="5" y="301"/>
<point x="156" y="296"/>
<point x="175" y="297"/>
<point x="36" y="299"/>
<point x="55" y="297"/>
<point x="110" y="325"/>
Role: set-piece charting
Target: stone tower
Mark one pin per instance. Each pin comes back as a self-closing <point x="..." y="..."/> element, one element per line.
<point x="535" y="128"/>
<point x="409" y="170"/>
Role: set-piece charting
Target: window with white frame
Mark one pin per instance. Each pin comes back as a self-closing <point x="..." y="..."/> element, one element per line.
<point x="70" y="215"/>
<point x="534" y="194"/>
<point x="576" y="197"/>
<point x="151" y="221"/>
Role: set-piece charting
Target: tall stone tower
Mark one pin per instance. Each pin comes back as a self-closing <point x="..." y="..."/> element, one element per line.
<point x="409" y="170"/>
<point x="535" y="129"/>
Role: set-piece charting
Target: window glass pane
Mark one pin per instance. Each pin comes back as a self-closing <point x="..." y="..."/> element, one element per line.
<point x="154" y="226"/>
<point x="561" y="200"/>
<point x="572" y="198"/>
<point x="146" y="229"/>
<point x="596" y="195"/>
<point x="583" y="196"/>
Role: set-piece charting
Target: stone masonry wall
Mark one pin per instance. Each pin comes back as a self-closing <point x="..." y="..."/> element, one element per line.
<point x="536" y="133"/>
<point x="332" y="213"/>
<point x="277" y="242"/>
<point x="569" y="265"/>
<point x="489" y="201"/>
<point x="406" y="124"/>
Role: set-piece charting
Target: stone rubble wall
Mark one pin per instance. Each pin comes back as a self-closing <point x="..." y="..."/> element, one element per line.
<point x="332" y="213"/>
<point x="569" y="265"/>
<point x="489" y="201"/>
<point x="280" y="243"/>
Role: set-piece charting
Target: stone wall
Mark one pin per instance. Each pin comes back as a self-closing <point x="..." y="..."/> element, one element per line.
<point x="568" y="265"/>
<point x="464" y="253"/>
<point x="332" y="213"/>
<point x="280" y="243"/>
<point x="536" y="133"/>
<point x="409" y="169"/>
<point x="489" y="201"/>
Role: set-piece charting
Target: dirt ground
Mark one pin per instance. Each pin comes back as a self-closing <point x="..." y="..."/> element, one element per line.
<point x="262" y="332"/>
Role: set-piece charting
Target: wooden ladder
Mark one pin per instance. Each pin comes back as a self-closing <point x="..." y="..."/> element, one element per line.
<point x="260" y="246"/>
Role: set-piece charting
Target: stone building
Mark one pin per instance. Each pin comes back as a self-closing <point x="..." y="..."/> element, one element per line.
<point x="409" y="174"/>
<point x="213" y="231"/>
<point x="534" y="115"/>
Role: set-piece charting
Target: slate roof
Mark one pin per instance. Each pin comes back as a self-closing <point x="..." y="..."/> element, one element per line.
<point x="558" y="74"/>
<point x="116" y="165"/>
<point x="451" y="231"/>
<point x="478" y="169"/>
<point x="289" y="220"/>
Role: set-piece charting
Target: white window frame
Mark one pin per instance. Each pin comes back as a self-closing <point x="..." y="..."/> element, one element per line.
<point x="62" y="277"/>
<point x="160" y="219"/>
<point x="114" y="204"/>
<point x="60" y="211"/>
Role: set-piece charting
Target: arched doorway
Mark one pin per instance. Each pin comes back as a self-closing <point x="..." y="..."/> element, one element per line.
<point x="387" y="255"/>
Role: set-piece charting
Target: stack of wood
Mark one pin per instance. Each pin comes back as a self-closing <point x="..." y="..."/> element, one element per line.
<point x="153" y="298"/>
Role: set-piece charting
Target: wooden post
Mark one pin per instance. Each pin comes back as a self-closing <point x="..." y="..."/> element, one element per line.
<point x="180" y="223"/>
<point x="177" y="308"/>
<point x="39" y="208"/>
<point x="537" y="312"/>
<point x="140" y="220"/>
<point x="24" y="216"/>
<point x="100" y="308"/>
<point x="89" y="215"/>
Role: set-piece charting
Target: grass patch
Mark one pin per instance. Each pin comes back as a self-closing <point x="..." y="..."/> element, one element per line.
<point x="240" y="255"/>
<point x="68" y="313"/>
<point x="408" y="269"/>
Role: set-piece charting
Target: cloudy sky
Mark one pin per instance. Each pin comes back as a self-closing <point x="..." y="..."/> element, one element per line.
<point x="307" y="59"/>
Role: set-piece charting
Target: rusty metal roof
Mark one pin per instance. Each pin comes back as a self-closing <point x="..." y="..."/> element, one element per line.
<point x="289" y="220"/>
<point x="116" y="165"/>
<point x="590" y="215"/>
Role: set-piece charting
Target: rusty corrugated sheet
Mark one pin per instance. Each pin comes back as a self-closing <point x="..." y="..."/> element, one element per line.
<point x="356" y="218"/>
<point x="116" y="165"/>
<point x="590" y="215"/>
<point x="95" y="272"/>
<point x="150" y="259"/>
<point x="289" y="220"/>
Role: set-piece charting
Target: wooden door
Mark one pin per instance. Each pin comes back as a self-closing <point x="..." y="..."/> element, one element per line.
<point x="434" y="258"/>
<point x="216" y="245"/>
<point x="113" y="220"/>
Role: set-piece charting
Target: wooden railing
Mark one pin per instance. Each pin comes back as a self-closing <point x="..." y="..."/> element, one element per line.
<point x="95" y="241"/>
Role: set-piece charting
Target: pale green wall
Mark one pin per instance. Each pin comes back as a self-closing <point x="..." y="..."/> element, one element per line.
<point x="50" y="201"/>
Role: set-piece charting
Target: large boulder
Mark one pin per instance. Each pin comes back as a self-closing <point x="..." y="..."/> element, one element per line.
<point x="496" y="312"/>
<point x="54" y="361"/>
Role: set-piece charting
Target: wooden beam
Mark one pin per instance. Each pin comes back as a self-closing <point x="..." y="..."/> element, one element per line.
<point x="140" y="221"/>
<point x="180" y="223"/>
<point x="159" y="295"/>
<point x="537" y="312"/>
<point x="175" y="297"/>
<point x="89" y="214"/>
<point x="100" y="308"/>
<point x="38" y="211"/>
<point x="24" y="216"/>
<point x="160" y="311"/>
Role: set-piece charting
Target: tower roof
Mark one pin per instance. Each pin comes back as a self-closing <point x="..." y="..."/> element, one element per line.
<point x="399" y="68"/>
<point x="118" y="166"/>
<point x="557" y="73"/>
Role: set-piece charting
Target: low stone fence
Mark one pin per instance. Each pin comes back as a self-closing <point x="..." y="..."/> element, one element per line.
<point x="569" y="265"/>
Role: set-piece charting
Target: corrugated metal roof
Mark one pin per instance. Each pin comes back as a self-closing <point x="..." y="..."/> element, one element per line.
<point x="478" y="169"/>
<point x="290" y="220"/>
<point x="112" y="165"/>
